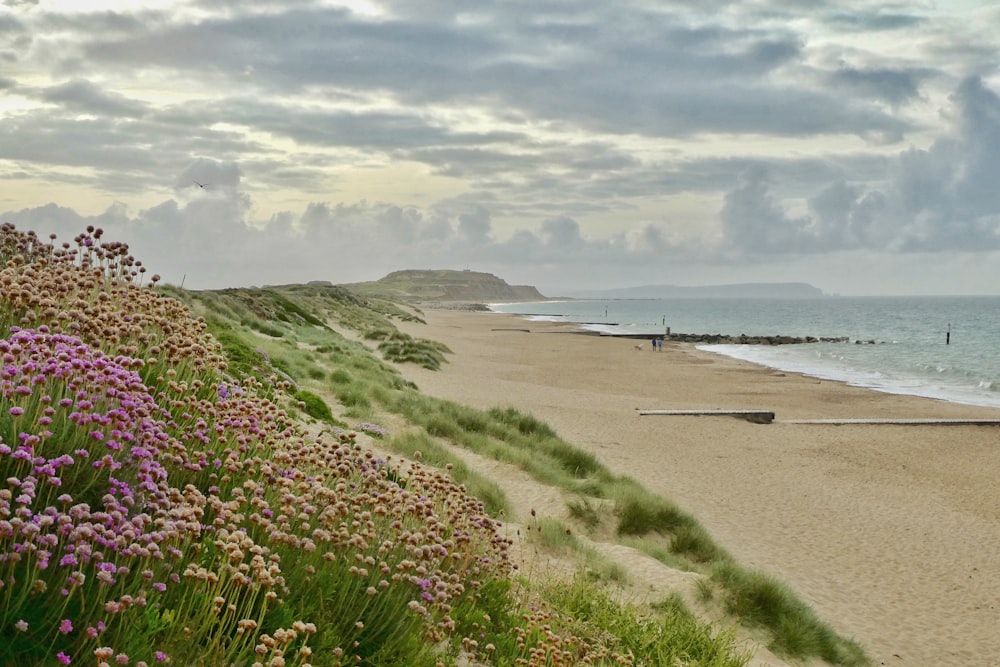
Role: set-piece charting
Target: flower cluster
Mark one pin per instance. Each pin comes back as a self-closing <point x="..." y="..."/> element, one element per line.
<point x="373" y="430"/>
<point x="153" y="511"/>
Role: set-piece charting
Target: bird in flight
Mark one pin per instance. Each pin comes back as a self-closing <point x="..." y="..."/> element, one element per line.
<point x="201" y="185"/>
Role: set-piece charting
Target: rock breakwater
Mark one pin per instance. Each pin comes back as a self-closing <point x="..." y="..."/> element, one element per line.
<point x="722" y="339"/>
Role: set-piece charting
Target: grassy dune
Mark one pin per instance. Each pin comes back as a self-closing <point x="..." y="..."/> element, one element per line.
<point x="194" y="478"/>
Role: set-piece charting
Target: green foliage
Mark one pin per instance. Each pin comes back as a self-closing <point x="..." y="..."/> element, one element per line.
<point x="401" y="348"/>
<point x="526" y="425"/>
<point x="263" y="327"/>
<point x="666" y="635"/>
<point x="761" y="600"/>
<point x="314" y="405"/>
<point x="554" y="535"/>
<point x="289" y="307"/>
<point x="242" y="360"/>
<point x="583" y="510"/>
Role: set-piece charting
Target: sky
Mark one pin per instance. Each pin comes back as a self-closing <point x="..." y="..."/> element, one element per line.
<point x="565" y="144"/>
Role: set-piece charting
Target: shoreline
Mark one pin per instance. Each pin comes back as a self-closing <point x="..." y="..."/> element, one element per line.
<point x="889" y="533"/>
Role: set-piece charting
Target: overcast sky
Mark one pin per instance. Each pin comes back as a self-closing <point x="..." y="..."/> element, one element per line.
<point x="854" y="145"/>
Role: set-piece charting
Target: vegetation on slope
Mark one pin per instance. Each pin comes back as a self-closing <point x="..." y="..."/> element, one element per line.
<point x="445" y="285"/>
<point x="179" y="489"/>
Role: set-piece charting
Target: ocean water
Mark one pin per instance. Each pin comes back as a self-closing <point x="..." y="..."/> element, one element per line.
<point x="896" y="344"/>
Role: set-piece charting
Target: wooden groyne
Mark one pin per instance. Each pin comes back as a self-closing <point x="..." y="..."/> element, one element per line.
<point x="755" y="416"/>
<point x="897" y="422"/>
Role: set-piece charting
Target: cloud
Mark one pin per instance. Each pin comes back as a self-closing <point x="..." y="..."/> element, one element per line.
<point x="85" y="97"/>
<point x="528" y="136"/>
<point x="895" y="87"/>
<point x="209" y="175"/>
<point x="935" y="200"/>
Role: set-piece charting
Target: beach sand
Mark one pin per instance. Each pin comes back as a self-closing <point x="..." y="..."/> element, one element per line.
<point x="891" y="533"/>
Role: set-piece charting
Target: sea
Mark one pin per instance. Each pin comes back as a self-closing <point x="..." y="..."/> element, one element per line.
<point x="942" y="347"/>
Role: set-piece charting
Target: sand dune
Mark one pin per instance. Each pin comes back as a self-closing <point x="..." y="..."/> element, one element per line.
<point x="891" y="533"/>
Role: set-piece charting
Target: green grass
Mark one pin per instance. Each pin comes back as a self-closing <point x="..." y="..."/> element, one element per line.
<point x="368" y="388"/>
<point x="667" y="635"/>
<point x="762" y="601"/>
<point x="314" y="406"/>
<point x="583" y="509"/>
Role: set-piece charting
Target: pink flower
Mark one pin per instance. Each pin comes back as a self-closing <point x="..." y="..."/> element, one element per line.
<point x="63" y="658"/>
<point x="66" y="626"/>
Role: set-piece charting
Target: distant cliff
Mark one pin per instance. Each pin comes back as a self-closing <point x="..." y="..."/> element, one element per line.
<point x="737" y="291"/>
<point x="445" y="285"/>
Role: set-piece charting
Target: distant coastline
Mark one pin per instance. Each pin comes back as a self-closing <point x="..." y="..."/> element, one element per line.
<point x="793" y="290"/>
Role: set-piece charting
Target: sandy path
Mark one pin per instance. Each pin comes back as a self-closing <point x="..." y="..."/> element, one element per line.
<point x="892" y="533"/>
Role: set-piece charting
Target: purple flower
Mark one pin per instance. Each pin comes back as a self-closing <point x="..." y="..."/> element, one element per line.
<point x="63" y="658"/>
<point x="66" y="626"/>
<point x="16" y="412"/>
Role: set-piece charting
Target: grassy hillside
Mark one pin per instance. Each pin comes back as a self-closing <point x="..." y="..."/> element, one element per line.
<point x="445" y="285"/>
<point x="214" y="478"/>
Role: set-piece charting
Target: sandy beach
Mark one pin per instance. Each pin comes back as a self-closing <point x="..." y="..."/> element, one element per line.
<point x="891" y="533"/>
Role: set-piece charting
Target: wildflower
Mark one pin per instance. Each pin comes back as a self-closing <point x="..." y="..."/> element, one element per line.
<point x="63" y="658"/>
<point x="66" y="626"/>
<point x="21" y="625"/>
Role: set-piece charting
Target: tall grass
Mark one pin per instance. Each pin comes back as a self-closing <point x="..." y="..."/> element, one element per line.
<point x="761" y="600"/>
<point x="667" y="636"/>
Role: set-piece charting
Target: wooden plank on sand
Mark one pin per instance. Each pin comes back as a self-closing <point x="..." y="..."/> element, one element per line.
<point x="755" y="416"/>
<point x="898" y="422"/>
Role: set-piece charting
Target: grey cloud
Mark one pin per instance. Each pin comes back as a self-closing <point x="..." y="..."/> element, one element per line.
<point x="208" y="174"/>
<point x="874" y="21"/>
<point x="42" y="138"/>
<point x="15" y="38"/>
<point x="754" y="221"/>
<point x="607" y="70"/>
<point x="83" y="96"/>
<point x="380" y="130"/>
<point x="939" y="199"/>
<point x="892" y="86"/>
<point x="126" y="154"/>
<point x="563" y="232"/>
<point x="474" y="227"/>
